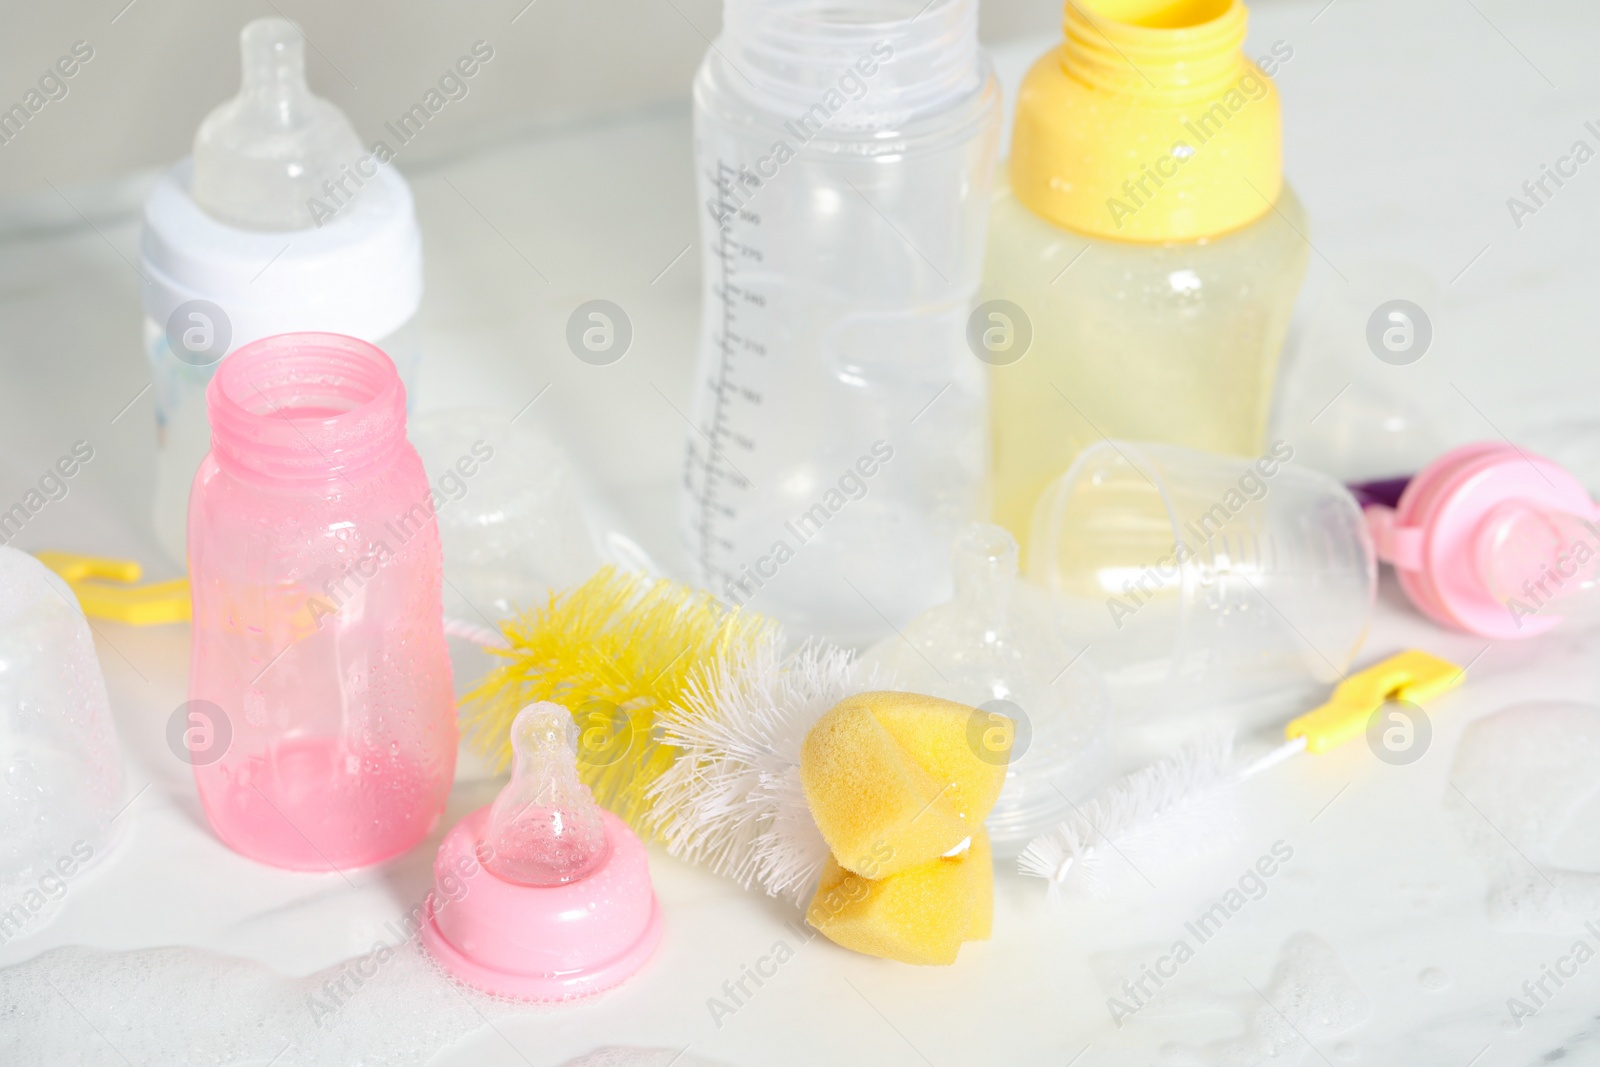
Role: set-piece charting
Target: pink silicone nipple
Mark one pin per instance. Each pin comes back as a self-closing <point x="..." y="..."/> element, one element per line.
<point x="1536" y="554"/>
<point x="545" y="828"/>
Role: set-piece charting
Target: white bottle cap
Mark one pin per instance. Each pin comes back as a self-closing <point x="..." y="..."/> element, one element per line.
<point x="360" y="273"/>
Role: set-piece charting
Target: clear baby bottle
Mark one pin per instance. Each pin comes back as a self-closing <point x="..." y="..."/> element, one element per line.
<point x="60" y="770"/>
<point x="845" y="159"/>
<point x="999" y="647"/>
<point x="280" y="221"/>
<point x="1203" y="579"/>
<point x="1144" y="240"/>
<point x="318" y="648"/>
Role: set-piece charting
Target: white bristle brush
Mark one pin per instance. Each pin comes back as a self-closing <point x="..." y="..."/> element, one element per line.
<point x="732" y="799"/>
<point x="1172" y="810"/>
<point x="1177" y="807"/>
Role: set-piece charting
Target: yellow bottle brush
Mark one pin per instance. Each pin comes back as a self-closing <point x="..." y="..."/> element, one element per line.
<point x="697" y="729"/>
<point x="618" y="650"/>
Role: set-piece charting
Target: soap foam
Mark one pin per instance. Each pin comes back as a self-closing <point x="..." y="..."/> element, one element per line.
<point x="183" y="1006"/>
<point x="613" y="1056"/>
<point x="1520" y="777"/>
<point x="1311" y="997"/>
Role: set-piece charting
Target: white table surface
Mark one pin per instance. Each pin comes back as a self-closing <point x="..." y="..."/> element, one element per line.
<point x="1407" y="127"/>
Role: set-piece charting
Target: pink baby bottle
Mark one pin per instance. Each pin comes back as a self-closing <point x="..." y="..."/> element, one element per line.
<point x="322" y="727"/>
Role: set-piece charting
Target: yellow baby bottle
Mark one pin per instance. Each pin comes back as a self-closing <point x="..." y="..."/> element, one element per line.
<point x="1145" y="253"/>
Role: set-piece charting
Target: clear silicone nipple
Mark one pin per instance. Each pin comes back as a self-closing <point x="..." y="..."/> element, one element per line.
<point x="985" y="569"/>
<point x="1000" y="646"/>
<point x="261" y="157"/>
<point x="545" y="828"/>
<point x="976" y="640"/>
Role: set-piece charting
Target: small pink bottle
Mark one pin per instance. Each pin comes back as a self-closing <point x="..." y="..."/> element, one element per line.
<point x="323" y="727"/>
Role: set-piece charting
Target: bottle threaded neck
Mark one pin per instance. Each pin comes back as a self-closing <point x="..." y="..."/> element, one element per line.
<point x="1149" y="124"/>
<point x="1171" y="51"/>
<point x="867" y="64"/>
<point x="306" y="409"/>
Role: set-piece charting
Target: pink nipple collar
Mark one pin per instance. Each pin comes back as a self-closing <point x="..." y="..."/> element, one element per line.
<point x="1492" y="540"/>
<point x="542" y="895"/>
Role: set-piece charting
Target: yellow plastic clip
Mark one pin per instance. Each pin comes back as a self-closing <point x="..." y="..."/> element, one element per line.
<point x="139" y="605"/>
<point x="1412" y="675"/>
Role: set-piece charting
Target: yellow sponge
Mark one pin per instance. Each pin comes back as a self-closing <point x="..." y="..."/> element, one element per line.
<point x="893" y="781"/>
<point x="921" y="915"/>
<point x="982" y="906"/>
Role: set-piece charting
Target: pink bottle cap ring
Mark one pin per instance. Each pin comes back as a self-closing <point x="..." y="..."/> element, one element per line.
<point x="541" y="942"/>
<point x="1430" y="535"/>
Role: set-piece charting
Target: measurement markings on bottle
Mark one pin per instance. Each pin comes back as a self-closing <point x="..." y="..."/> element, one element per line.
<point x="715" y="482"/>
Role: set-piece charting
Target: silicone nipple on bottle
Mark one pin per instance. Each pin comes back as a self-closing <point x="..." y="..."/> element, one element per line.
<point x="985" y="570"/>
<point x="260" y="158"/>
<point x="545" y="828"/>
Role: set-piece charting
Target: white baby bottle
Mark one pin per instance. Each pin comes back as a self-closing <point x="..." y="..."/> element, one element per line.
<point x="845" y="161"/>
<point x="60" y="768"/>
<point x="281" y="221"/>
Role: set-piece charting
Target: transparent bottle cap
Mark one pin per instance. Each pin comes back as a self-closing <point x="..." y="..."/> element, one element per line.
<point x="260" y="158"/>
<point x="545" y="828"/>
<point x="61" y="772"/>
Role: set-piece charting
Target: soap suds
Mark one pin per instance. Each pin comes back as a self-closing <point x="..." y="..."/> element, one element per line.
<point x="1310" y="998"/>
<point x="183" y="1006"/>
<point x="1520" y="777"/>
<point x="612" y="1056"/>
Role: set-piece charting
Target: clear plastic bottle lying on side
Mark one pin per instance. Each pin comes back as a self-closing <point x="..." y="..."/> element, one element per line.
<point x="282" y="221"/>
<point x="1205" y="581"/>
<point x="845" y="163"/>
<point x="1146" y="238"/>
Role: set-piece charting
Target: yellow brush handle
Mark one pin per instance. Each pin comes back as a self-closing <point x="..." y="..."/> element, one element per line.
<point x="137" y="605"/>
<point x="1412" y="675"/>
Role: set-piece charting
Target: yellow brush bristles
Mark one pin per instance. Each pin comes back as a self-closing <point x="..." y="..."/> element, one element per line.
<point x="616" y="651"/>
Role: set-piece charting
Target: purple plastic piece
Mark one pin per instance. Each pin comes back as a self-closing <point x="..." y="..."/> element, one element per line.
<point x="1385" y="491"/>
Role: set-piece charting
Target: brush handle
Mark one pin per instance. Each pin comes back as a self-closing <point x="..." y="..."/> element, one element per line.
<point x="1412" y="675"/>
<point x="1292" y="747"/>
